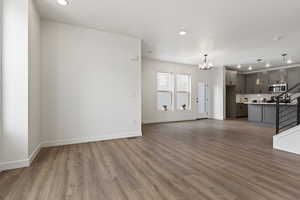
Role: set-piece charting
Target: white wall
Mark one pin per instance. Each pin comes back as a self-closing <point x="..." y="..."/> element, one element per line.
<point x="20" y="83"/>
<point x="34" y="78"/>
<point x="214" y="78"/>
<point x="15" y="81"/>
<point x="90" y="84"/>
<point x="1" y="29"/>
<point x="218" y="96"/>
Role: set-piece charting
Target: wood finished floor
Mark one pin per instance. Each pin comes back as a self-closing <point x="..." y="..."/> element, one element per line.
<point x="190" y="160"/>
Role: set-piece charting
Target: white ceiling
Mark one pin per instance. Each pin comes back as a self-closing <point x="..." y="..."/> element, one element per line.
<point x="231" y="31"/>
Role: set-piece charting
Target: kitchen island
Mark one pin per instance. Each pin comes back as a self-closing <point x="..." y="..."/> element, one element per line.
<point x="266" y="112"/>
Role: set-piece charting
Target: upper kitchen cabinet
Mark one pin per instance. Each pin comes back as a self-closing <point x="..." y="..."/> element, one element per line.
<point x="283" y="75"/>
<point x="251" y="83"/>
<point x="263" y="86"/>
<point x="274" y="77"/>
<point x="258" y="83"/>
<point x="293" y="76"/>
<point x="241" y="84"/>
<point x="231" y="77"/>
<point x="278" y="76"/>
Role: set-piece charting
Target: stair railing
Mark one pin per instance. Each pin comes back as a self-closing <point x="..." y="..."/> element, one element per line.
<point x="288" y="113"/>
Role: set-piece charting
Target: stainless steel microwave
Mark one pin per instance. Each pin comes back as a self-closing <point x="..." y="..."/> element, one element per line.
<point x="278" y="88"/>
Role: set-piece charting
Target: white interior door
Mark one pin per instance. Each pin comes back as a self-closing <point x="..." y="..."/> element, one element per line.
<point x="202" y="100"/>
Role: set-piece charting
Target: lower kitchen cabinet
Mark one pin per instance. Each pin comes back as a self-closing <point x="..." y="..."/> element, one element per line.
<point x="264" y="113"/>
<point x="269" y="114"/>
<point x="254" y="113"/>
<point x="241" y="110"/>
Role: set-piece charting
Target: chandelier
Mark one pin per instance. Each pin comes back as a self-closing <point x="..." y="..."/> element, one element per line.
<point x="205" y="65"/>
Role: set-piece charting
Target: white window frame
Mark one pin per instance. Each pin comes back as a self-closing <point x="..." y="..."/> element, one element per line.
<point x="189" y="92"/>
<point x="171" y="91"/>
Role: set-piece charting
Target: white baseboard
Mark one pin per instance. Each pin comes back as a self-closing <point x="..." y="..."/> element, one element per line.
<point x="20" y="163"/>
<point x="217" y="116"/>
<point x="154" y="121"/>
<point x="183" y="120"/>
<point x="34" y="153"/>
<point x="27" y="162"/>
<point x="14" y="164"/>
<point x="165" y="121"/>
<point x="90" y="139"/>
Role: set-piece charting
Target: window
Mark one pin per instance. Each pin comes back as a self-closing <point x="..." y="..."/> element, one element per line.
<point x="165" y="87"/>
<point x="183" y="92"/>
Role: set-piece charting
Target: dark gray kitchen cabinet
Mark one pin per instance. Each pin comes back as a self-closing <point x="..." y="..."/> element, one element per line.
<point x="283" y="75"/>
<point x="231" y="77"/>
<point x="274" y="77"/>
<point x="257" y="83"/>
<point x="293" y="76"/>
<point x="262" y="83"/>
<point x="250" y="83"/>
<point x="269" y="114"/>
<point x="278" y="76"/>
<point x="255" y="113"/>
<point x="241" y="110"/>
<point x="241" y="84"/>
<point x="227" y="77"/>
<point x="254" y="83"/>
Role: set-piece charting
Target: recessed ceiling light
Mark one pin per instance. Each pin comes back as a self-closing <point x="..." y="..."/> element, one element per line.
<point x="62" y="2"/>
<point x="239" y="66"/>
<point x="268" y="65"/>
<point x="182" y="32"/>
<point x="250" y="68"/>
<point x="289" y="61"/>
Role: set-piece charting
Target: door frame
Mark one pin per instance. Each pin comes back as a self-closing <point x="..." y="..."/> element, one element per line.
<point x="206" y="113"/>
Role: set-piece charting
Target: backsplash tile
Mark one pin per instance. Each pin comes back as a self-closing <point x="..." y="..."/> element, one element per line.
<point x="240" y="98"/>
